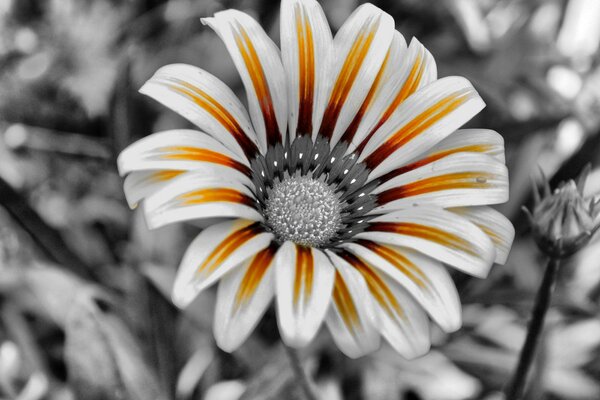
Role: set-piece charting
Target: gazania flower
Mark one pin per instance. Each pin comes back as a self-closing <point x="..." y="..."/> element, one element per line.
<point x="340" y="195"/>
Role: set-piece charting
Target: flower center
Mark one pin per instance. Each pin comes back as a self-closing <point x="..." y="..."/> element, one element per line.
<point x="303" y="210"/>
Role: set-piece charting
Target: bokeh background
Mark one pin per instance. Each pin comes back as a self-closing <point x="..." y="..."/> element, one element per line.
<point x="84" y="285"/>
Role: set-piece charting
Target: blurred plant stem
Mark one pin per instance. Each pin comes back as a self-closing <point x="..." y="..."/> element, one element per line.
<point x="517" y="384"/>
<point x="162" y="319"/>
<point x="47" y="238"/>
<point x="302" y="377"/>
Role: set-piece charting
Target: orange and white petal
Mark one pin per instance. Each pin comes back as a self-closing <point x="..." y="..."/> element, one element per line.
<point x="306" y="49"/>
<point x="440" y="234"/>
<point x="484" y="141"/>
<point x="140" y="184"/>
<point x="304" y="279"/>
<point x="421" y="122"/>
<point x="494" y="224"/>
<point x="243" y="297"/>
<point x="411" y="69"/>
<point x="426" y="279"/>
<point x="350" y="316"/>
<point x="205" y="101"/>
<point x="395" y="56"/>
<point x="203" y="193"/>
<point x="258" y="61"/>
<point x="215" y="251"/>
<point x="360" y="48"/>
<point x="462" y="179"/>
<point x="178" y="149"/>
<point x="400" y="320"/>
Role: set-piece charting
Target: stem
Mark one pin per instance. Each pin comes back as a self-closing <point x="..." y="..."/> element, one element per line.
<point x="517" y="384"/>
<point x="302" y="377"/>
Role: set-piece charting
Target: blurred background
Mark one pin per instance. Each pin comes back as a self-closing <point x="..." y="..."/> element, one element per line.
<point x="84" y="286"/>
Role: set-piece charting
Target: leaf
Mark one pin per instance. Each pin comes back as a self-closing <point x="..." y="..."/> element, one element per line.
<point x="268" y="382"/>
<point x="54" y="289"/>
<point x="103" y="358"/>
<point x="47" y="239"/>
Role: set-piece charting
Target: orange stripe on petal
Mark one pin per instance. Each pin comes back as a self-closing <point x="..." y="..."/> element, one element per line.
<point x="353" y="127"/>
<point x="475" y="148"/>
<point x="458" y="180"/>
<point x="212" y="195"/>
<point x="303" y="281"/>
<point x="347" y="76"/>
<point x="399" y="261"/>
<point x="306" y="65"/>
<point x="429" y="233"/>
<point x="198" y="154"/>
<point x="377" y="286"/>
<point x="259" y="81"/>
<point x="218" y="112"/>
<point x="496" y="239"/>
<point x="345" y="304"/>
<point x="162" y="176"/>
<point x="417" y="126"/>
<point x="257" y="269"/>
<point x="230" y="244"/>
<point x="409" y="87"/>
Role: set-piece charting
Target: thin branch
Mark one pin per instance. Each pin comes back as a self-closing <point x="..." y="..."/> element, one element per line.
<point x="47" y="238"/>
<point x="516" y="387"/>
<point x="162" y="316"/>
<point x="302" y="377"/>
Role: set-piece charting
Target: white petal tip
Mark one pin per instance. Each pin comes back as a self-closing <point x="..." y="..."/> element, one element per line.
<point x="145" y="89"/>
<point x="152" y="224"/>
<point x="362" y="351"/>
<point x="181" y="300"/>
<point x="132" y="203"/>
<point x="451" y="325"/>
<point x="227" y="343"/>
<point x="481" y="273"/>
<point x="501" y="258"/>
<point x="120" y="164"/>
<point x="419" y="351"/>
<point x="296" y="340"/>
<point x="355" y="356"/>
<point x="184" y="294"/>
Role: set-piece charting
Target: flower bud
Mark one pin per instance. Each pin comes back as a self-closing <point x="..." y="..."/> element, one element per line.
<point x="563" y="222"/>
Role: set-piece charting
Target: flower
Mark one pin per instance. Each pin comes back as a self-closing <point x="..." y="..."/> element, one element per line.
<point x="342" y="194"/>
<point x="564" y="221"/>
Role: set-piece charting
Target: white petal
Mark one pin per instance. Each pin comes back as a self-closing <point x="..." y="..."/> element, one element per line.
<point x="421" y="122"/>
<point x="399" y="319"/>
<point x="494" y="224"/>
<point x="206" y="102"/>
<point x="304" y="282"/>
<point x="178" y="149"/>
<point x="141" y="184"/>
<point x="243" y="297"/>
<point x="350" y="316"/>
<point x="409" y="70"/>
<point x="437" y="233"/>
<point x="367" y="113"/>
<point x="306" y="49"/>
<point x="360" y="47"/>
<point x="426" y="279"/>
<point x="213" y="253"/>
<point x="258" y="61"/>
<point x="483" y="141"/>
<point x="211" y="191"/>
<point x="461" y="179"/>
